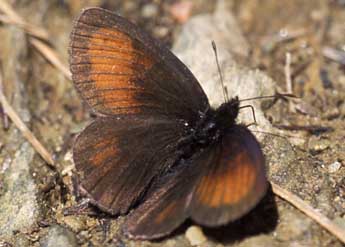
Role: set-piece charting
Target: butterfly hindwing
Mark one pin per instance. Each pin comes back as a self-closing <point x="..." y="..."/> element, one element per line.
<point x="215" y="186"/>
<point x="232" y="182"/>
<point x="164" y="208"/>
<point x="120" y="70"/>
<point x="114" y="162"/>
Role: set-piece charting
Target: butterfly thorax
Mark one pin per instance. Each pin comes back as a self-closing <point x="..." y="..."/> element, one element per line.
<point x="216" y="122"/>
<point x="226" y="114"/>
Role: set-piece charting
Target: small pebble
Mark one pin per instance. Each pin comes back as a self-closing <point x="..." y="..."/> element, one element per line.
<point x="195" y="236"/>
<point x="317" y="146"/>
<point x="334" y="167"/>
<point x="68" y="156"/>
<point x="67" y="170"/>
<point x="181" y="11"/>
<point x="161" y="31"/>
<point x="129" y="6"/>
<point x="331" y="114"/>
<point x="76" y="224"/>
<point x="59" y="236"/>
<point x="149" y="10"/>
<point x="5" y="165"/>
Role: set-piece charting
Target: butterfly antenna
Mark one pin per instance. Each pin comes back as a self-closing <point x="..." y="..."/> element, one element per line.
<point x="225" y="90"/>
<point x="276" y="95"/>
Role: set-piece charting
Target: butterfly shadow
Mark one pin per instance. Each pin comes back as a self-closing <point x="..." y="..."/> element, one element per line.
<point x="262" y="219"/>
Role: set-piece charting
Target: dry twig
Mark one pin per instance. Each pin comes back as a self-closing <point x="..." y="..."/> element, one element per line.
<point x="37" y="33"/>
<point x="334" y="54"/>
<point x="3" y="115"/>
<point x="51" y="56"/>
<point x="9" y="111"/>
<point x="288" y="78"/>
<point x="284" y="35"/>
<point x="11" y="17"/>
<point x="25" y="130"/>
<point x="287" y="70"/>
<point x="310" y="212"/>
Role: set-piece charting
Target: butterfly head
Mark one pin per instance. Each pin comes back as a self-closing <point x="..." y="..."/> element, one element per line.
<point x="227" y="112"/>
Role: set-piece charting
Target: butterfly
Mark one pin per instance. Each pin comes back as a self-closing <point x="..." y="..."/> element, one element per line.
<point x="157" y="150"/>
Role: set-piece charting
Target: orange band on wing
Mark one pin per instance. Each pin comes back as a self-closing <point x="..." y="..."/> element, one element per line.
<point x="228" y="187"/>
<point x="240" y="181"/>
<point x="103" y="154"/>
<point x="165" y="213"/>
<point x="107" y="68"/>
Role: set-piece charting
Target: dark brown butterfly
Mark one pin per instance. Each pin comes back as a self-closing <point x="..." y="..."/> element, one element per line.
<point x="156" y="145"/>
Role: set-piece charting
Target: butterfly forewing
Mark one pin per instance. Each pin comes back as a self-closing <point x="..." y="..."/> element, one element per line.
<point x="122" y="72"/>
<point x="119" y="70"/>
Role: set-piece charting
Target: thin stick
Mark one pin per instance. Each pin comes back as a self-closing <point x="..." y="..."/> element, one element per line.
<point x="2" y="112"/>
<point x="334" y="54"/>
<point x="9" y="11"/>
<point x="310" y="211"/>
<point x="13" y="18"/>
<point x="25" y="130"/>
<point x="51" y="56"/>
<point x="37" y="33"/>
<point x="287" y="70"/>
<point x="288" y="78"/>
<point x="289" y="35"/>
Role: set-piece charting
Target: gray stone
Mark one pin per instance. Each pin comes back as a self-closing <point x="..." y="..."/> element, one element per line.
<point x="59" y="236"/>
<point x="334" y="167"/>
<point x="149" y="10"/>
<point x="18" y="205"/>
<point x="193" y="47"/>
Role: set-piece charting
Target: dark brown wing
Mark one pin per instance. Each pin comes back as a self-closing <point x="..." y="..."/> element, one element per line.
<point x="165" y="207"/>
<point x="217" y="185"/>
<point x="118" y="69"/>
<point x="232" y="183"/>
<point x="116" y="158"/>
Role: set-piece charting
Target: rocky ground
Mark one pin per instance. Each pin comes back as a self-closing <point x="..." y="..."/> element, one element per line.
<point x="253" y="39"/>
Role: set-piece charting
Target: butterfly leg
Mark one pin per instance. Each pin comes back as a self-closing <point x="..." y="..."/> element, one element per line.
<point x="253" y="112"/>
